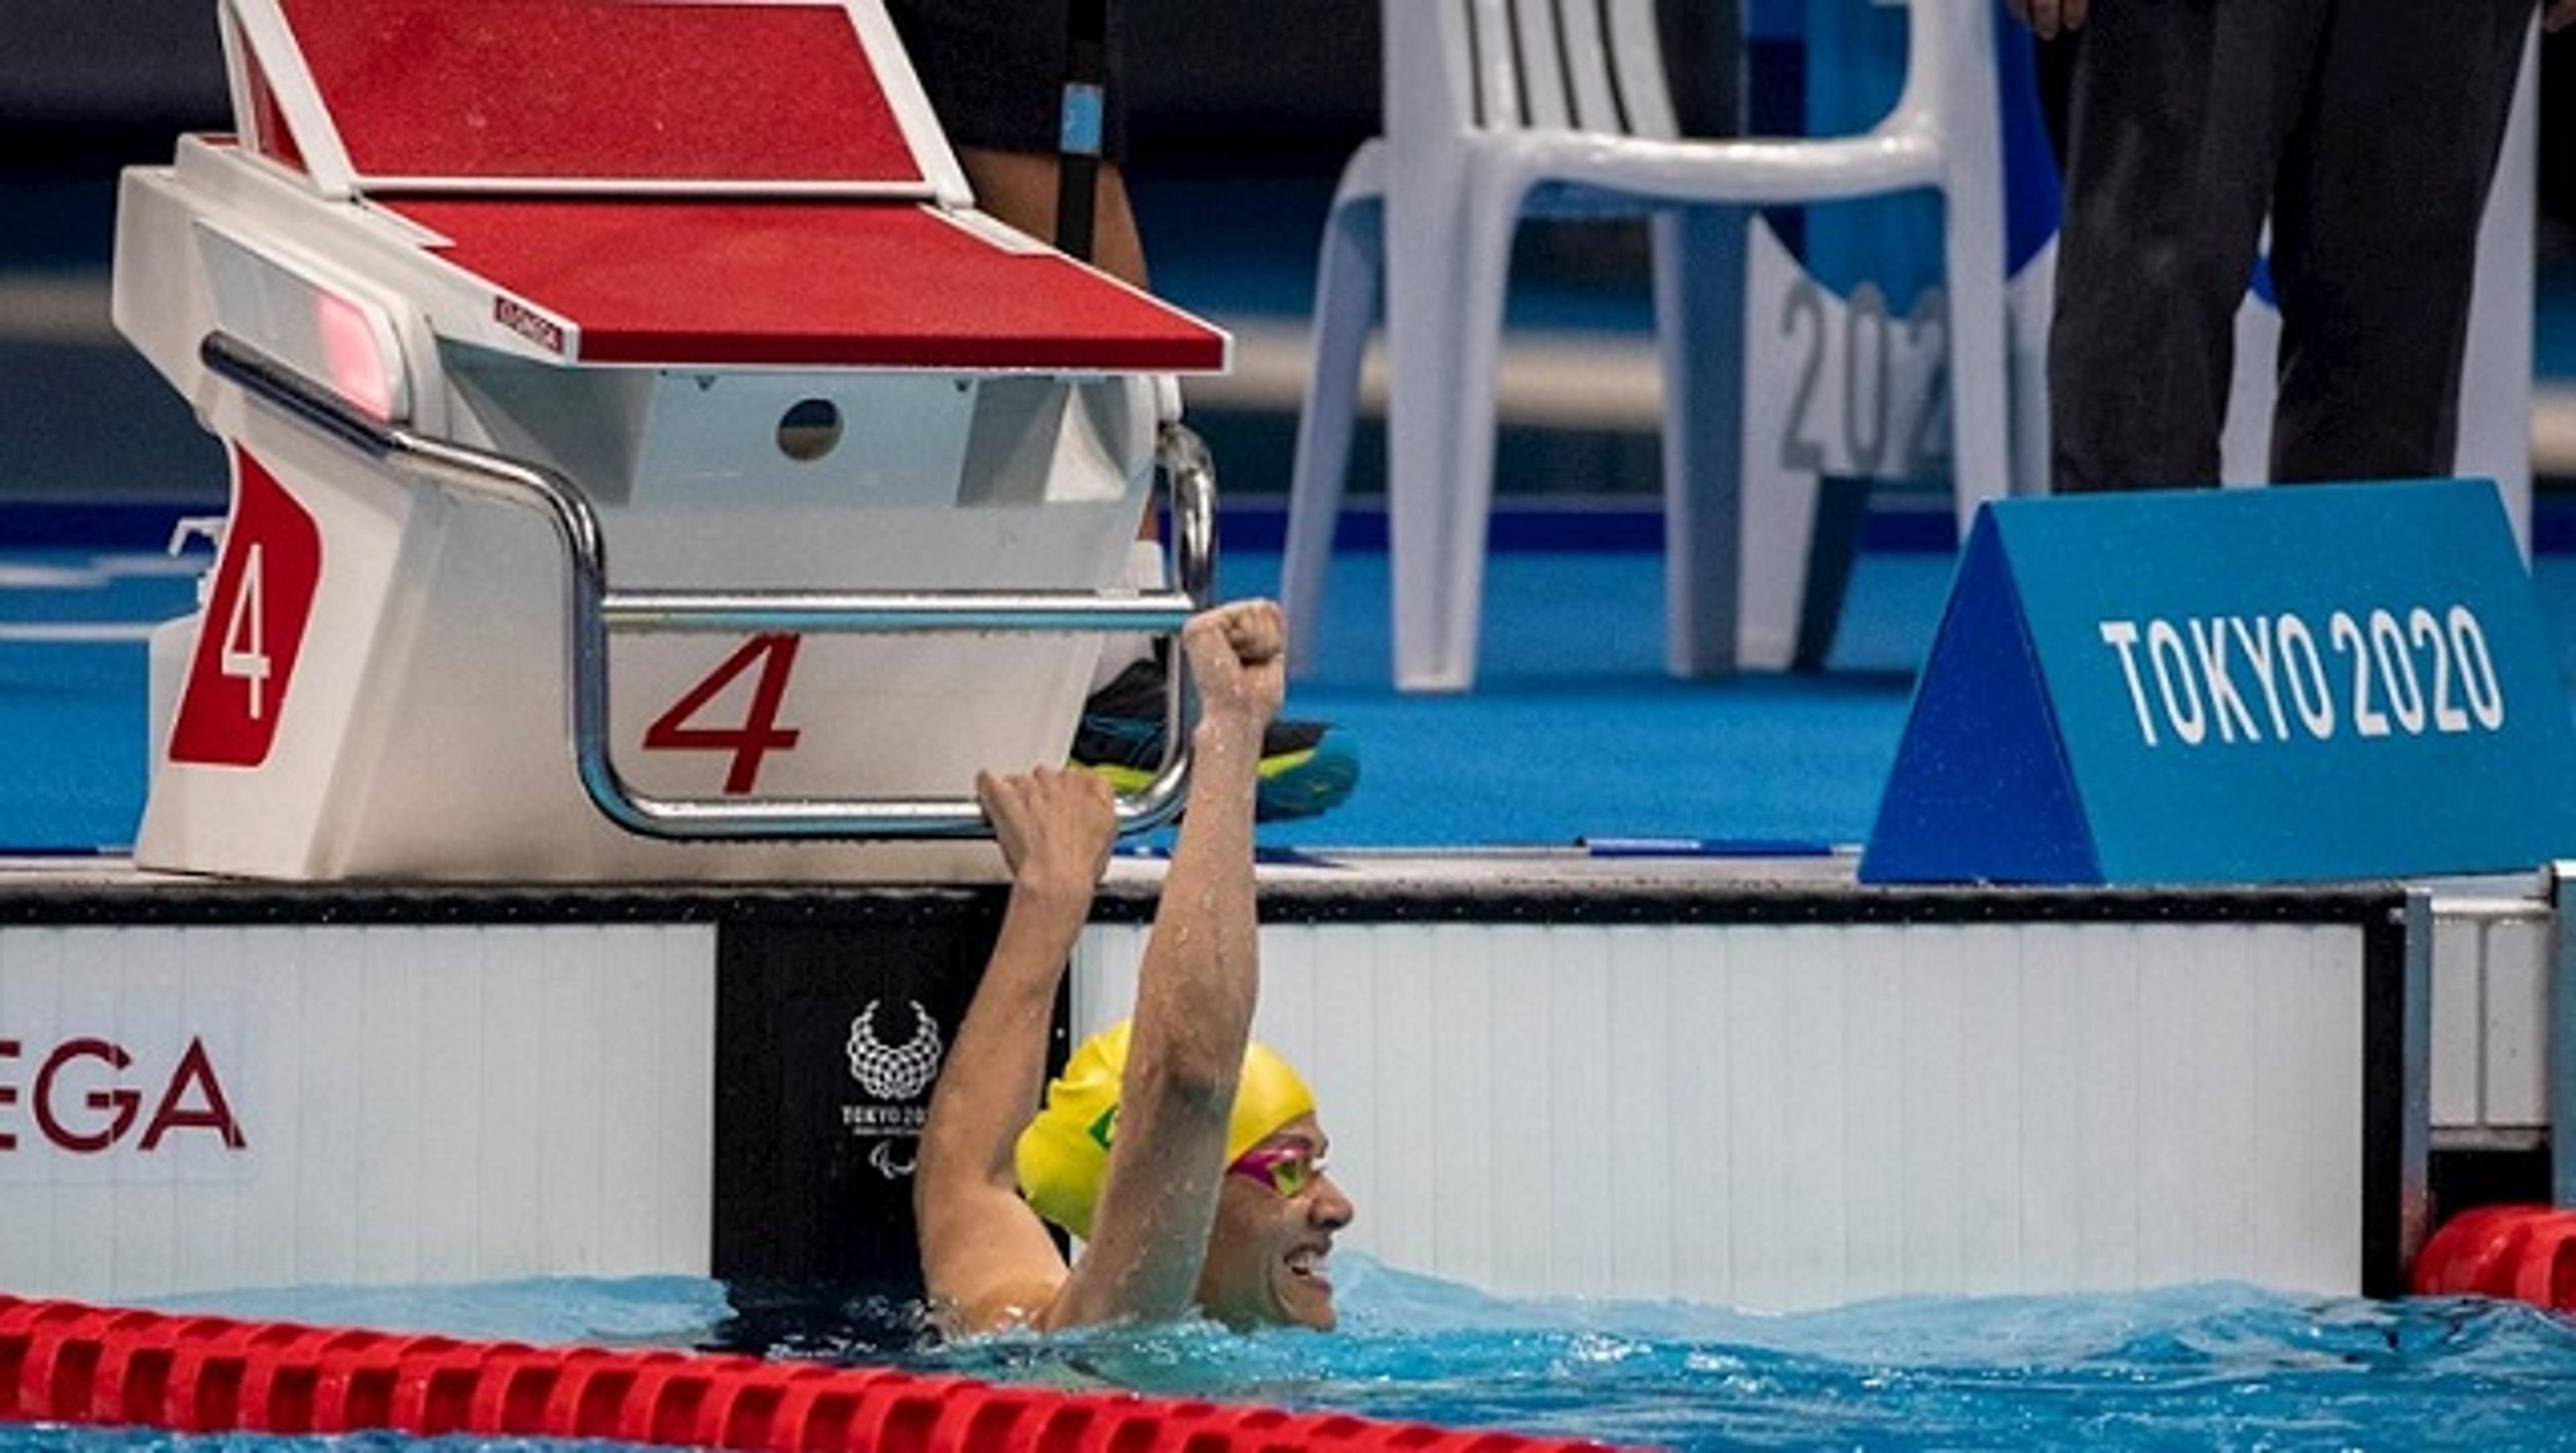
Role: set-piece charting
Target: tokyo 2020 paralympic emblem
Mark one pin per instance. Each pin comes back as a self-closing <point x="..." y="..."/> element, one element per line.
<point x="894" y="1071"/>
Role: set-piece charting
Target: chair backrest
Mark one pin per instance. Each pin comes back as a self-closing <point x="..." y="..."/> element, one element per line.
<point x="1593" y="65"/>
<point x="1557" y="65"/>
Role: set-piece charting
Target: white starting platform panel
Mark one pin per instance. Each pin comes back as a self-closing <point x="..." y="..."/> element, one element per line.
<point x="1750" y="1084"/>
<point x="485" y="294"/>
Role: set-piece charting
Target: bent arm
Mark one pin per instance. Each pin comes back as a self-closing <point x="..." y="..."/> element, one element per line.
<point x="986" y="1258"/>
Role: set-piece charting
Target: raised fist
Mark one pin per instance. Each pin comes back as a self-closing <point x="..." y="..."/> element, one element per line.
<point x="1238" y="660"/>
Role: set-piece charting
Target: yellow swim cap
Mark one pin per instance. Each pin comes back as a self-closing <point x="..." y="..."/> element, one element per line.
<point x="1064" y="1154"/>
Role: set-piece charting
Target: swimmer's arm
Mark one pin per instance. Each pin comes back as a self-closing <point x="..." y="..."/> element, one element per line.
<point x="1194" y="1000"/>
<point x="986" y="1258"/>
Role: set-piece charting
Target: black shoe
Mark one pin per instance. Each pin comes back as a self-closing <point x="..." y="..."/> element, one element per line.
<point x="1306" y="768"/>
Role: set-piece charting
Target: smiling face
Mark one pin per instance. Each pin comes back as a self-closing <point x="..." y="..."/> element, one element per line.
<point x="1267" y="1255"/>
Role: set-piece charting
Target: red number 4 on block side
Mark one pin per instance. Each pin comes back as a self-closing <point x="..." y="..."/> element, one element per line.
<point x="759" y="733"/>
<point x="253" y="627"/>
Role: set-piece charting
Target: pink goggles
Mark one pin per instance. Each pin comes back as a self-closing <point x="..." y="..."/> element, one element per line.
<point x="1288" y="1170"/>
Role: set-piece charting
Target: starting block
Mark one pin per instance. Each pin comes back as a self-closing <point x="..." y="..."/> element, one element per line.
<point x="487" y="294"/>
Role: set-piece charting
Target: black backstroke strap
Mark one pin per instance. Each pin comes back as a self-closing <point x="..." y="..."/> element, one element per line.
<point x="1084" y="125"/>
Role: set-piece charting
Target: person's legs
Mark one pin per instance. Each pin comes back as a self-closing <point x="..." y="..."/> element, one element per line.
<point x="1020" y="188"/>
<point x="2375" y="233"/>
<point x="995" y="72"/>
<point x="2176" y="113"/>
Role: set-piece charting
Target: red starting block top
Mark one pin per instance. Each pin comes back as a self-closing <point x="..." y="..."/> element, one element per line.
<point x="456" y="93"/>
<point x="804" y="284"/>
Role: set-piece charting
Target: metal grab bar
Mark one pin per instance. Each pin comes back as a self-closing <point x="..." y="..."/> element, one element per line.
<point x="595" y="611"/>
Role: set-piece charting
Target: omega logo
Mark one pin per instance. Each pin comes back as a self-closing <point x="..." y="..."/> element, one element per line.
<point x="519" y="318"/>
<point x="79" y="1103"/>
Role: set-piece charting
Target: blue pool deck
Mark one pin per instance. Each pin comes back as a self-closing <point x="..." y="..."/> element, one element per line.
<point x="1574" y="732"/>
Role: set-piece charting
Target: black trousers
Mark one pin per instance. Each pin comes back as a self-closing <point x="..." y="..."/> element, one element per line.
<point x="2368" y="130"/>
<point x="994" y="71"/>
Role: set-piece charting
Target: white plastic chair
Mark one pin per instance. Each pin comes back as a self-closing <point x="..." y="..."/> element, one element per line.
<point x="1499" y="108"/>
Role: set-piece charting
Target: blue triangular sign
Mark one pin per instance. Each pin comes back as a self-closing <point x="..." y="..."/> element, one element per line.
<point x="1982" y="790"/>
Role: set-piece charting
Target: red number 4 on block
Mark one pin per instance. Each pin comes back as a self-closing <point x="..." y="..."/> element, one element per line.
<point x="757" y="735"/>
<point x="253" y="626"/>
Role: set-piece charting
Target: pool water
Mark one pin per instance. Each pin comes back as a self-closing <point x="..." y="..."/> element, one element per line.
<point x="2221" y="1367"/>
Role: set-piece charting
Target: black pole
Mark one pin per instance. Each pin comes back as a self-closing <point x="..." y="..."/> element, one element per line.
<point x="1084" y="124"/>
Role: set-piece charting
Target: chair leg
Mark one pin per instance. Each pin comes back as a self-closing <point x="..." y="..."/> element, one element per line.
<point x="1981" y="452"/>
<point x="1424" y="218"/>
<point x="2030" y="297"/>
<point x="1346" y="291"/>
<point x="1700" y="256"/>
<point x="1972" y="238"/>
<point x="1436" y="638"/>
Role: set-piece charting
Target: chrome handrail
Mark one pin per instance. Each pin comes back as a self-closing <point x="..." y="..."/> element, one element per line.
<point x="595" y="611"/>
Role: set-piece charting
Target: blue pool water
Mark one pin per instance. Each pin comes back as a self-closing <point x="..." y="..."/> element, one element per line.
<point x="2220" y="1367"/>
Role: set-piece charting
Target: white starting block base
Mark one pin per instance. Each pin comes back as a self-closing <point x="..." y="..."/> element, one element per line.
<point x="429" y="738"/>
<point x="1740" y="1082"/>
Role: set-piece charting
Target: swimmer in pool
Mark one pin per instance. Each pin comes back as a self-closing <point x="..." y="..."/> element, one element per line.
<point x="1188" y="1159"/>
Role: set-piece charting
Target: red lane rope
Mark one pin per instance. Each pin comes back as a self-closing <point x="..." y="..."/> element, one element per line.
<point x="65" y="1362"/>
<point x="2522" y="1252"/>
